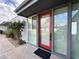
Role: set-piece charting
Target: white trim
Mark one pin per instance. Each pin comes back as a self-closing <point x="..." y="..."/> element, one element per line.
<point x="28" y="5"/>
<point x="21" y="5"/>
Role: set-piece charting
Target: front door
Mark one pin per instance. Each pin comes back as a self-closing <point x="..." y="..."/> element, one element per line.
<point x="45" y="30"/>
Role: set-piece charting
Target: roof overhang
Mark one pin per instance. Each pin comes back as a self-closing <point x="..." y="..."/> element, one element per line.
<point x="32" y="7"/>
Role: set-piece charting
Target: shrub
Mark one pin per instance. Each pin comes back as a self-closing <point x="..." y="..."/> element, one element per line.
<point x="15" y="31"/>
<point x="9" y="34"/>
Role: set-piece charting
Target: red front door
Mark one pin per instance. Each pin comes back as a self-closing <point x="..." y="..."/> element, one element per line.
<point x="45" y="30"/>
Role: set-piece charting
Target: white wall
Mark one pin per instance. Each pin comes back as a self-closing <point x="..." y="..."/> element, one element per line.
<point x="4" y="28"/>
<point x="25" y="32"/>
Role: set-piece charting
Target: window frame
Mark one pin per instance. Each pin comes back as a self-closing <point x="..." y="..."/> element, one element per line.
<point x="32" y="29"/>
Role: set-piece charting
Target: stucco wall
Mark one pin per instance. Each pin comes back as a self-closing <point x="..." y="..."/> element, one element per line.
<point x="4" y="28"/>
<point x="25" y="32"/>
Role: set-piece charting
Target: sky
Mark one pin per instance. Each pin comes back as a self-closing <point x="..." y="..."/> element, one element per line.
<point x="7" y="8"/>
<point x="11" y="3"/>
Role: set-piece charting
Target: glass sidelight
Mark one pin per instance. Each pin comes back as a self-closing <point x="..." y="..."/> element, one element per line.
<point x="32" y="30"/>
<point x="60" y="30"/>
<point x="75" y="31"/>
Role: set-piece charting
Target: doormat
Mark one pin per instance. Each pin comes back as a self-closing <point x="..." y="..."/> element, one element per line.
<point x="43" y="54"/>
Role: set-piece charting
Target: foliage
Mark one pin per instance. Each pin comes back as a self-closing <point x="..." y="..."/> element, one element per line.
<point x="9" y="34"/>
<point x="16" y="29"/>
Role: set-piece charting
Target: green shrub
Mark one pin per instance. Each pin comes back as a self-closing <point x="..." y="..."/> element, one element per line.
<point x="9" y="34"/>
<point x="14" y="30"/>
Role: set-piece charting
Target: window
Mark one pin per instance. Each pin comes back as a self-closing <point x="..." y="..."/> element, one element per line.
<point x="32" y="30"/>
<point x="60" y="30"/>
<point x="45" y="33"/>
<point x="75" y="31"/>
<point x="34" y="22"/>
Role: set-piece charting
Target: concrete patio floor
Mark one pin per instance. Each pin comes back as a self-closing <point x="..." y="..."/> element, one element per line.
<point x="5" y="45"/>
<point x="8" y="51"/>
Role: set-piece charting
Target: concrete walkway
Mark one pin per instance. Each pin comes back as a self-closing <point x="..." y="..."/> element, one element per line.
<point x="5" y="45"/>
<point x="8" y="51"/>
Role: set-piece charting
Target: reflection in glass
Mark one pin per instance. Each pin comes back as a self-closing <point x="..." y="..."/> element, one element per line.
<point x="32" y="22"/>
<point x="75" y="37"/>
<point x="45" y="20"/>
<point x="60" y="30"/>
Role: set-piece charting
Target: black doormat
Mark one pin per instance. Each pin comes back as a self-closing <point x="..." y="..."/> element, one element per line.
<point x="43" y="54"/>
